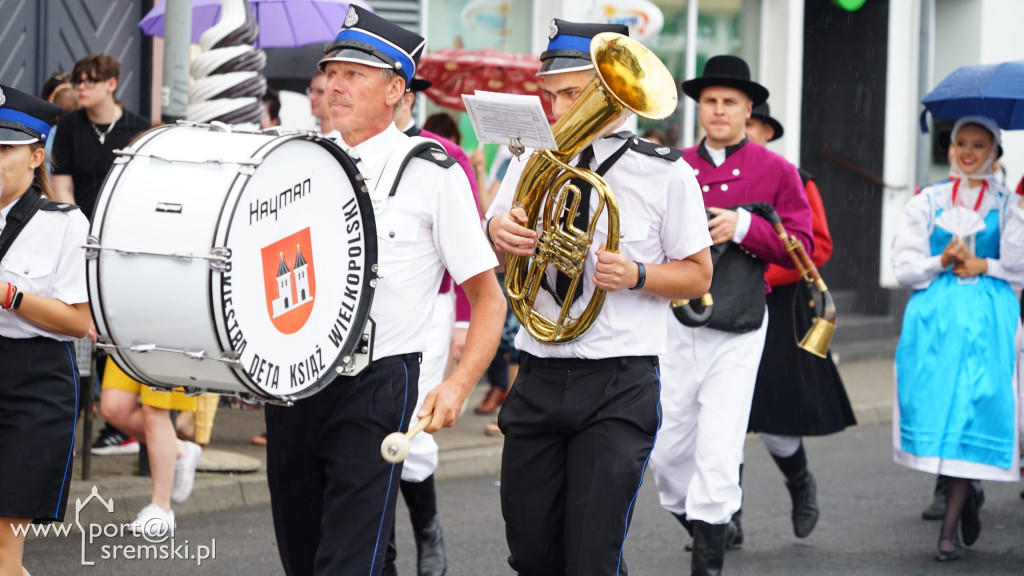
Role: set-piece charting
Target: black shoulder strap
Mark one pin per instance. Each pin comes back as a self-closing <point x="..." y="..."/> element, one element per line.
<point x="416" y="151"/>
<point x="656" y="150"/>
<point x="611" y="160"/>
<point x="22" y="211"/>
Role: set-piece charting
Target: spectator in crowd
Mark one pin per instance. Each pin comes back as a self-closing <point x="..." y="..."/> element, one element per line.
<point x="271" y="109"/>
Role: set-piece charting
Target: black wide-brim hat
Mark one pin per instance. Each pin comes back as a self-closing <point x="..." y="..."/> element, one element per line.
<point x="569" y="45"/>
<point x="729" y="71"/>
<point x="24" y="119"/>
<point x="763" y="113"/>
<point x="419" y="85"/>
<point x="368" y="39"/>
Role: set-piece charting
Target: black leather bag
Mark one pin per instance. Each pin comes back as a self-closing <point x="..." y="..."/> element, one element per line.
<point x="737" y="285"/>
<point x="737" y="288"/>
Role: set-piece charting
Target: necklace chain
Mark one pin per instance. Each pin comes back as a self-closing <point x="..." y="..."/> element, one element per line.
<point x="102" y="135"/>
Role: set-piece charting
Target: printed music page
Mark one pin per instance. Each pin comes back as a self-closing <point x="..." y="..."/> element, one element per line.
<point x="509" y="119"/>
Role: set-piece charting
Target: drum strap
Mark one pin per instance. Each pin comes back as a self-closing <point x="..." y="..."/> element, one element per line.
<point x="394" y="167"/>
<point x="20" y="214"/>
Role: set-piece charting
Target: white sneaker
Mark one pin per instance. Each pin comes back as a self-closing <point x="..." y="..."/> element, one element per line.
<point x="185" y="472"/>
<point x="153" y="522"/>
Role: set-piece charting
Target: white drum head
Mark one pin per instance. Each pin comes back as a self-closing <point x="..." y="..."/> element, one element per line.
<point x="298" y="287"/>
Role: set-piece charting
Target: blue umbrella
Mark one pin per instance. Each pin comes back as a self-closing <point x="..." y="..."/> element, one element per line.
<point x="993" y="90"/>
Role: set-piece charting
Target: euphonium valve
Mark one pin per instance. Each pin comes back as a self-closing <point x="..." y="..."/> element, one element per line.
<point x="628" y="78"/>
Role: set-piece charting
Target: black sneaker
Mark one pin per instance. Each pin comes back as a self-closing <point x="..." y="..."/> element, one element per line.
<point x="113" y="441"/>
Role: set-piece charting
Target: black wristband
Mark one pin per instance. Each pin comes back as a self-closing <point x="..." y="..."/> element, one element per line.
<point x="17" y="300"/>
<point x="641" y="276"/>
<point x="487" y="231"/>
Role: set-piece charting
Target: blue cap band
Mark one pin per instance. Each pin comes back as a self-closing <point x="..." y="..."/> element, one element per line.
<point x="408" y="69"/>
<point x="31" y="122"/>
<point x="566" y="42"/>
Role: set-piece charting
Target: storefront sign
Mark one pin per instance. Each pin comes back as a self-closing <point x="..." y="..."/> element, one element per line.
<point x="487" y="16"/>
<point x="643" y="18"/>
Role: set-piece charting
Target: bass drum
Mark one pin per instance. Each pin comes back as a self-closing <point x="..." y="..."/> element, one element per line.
<point x="232" y="262"/>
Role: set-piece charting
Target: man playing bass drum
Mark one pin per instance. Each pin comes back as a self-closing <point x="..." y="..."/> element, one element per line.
<point x="709" y="372"/>
<point x="581" y="419"/>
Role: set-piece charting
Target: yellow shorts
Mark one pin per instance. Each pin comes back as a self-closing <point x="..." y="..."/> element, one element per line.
<point x="114" y="377"/>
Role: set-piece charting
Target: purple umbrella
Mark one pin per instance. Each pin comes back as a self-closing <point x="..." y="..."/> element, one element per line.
<point x="283" y="23"/>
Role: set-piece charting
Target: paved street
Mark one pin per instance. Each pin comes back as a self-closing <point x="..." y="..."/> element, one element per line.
<point x="870" y="526"/>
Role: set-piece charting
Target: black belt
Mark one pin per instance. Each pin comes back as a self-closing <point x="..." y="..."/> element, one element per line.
<point x="411" y="358"/>
<point x="528" y="361"/>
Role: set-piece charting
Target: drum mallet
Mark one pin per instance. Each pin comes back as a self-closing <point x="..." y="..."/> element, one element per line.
<point x="395" y="447"/>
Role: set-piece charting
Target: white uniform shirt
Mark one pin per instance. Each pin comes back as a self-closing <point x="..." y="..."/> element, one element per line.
<point x="47" y="259"/>
<point x="661" y="218"/>
<point x="912" y="260"/>
<point x="431" y="223"/>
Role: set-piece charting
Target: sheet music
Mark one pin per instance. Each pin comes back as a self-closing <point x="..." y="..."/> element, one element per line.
<point x="509" y="119"/>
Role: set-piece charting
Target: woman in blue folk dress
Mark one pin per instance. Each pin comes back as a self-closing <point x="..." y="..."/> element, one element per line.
<point x="957" y="398"/>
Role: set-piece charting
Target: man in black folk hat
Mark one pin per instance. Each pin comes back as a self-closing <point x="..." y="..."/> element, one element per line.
<point x="581" y="419"/>
<point x="797" y="394"/>
<point x="332" y="495"/>
<point x="707" y="392"/>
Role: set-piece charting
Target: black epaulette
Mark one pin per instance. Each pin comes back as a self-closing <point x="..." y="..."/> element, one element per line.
<point x="657" y="150"/>
<point x="437" y="155"/>
<point x="51" y="206"/>
<point x="805" y="176"/>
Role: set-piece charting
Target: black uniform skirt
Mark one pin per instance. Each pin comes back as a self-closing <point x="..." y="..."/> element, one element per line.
<point x="797" y="393"/>
<point x="38" y="410"/>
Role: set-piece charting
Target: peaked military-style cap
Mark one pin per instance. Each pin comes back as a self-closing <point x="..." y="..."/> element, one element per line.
<point x="366" y="38"/>
<point x="569" y="45"/>
<point x="24" y="119"/>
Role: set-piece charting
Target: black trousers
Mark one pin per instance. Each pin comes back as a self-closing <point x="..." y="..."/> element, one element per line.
<point x="578" y="434"/>
<point x="332" y="495"/>
<point x="38" y="417"/>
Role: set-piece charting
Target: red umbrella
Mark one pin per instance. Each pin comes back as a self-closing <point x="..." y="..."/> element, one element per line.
<point x="457" y="71"/>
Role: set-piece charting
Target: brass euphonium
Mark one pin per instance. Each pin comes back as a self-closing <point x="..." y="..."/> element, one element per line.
<point x="628" y="78"/>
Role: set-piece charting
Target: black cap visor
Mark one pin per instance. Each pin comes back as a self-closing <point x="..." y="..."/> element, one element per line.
<point x="14" y="136"/>
<point x="555" y="61"/>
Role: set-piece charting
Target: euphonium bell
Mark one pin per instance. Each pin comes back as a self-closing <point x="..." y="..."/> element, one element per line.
<point x="628" y="78"/>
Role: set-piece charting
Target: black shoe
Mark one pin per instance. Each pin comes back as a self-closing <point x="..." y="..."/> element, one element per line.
<point x="734" y="536"/>
<point x="421" y="499"/>
<point x="970" y="521"/>
<point x="708" y="549"/>
<point x="947" y="555"/>
<point x="112" y="441"/>
<point x="803" y="491"/>
<point x="937" y="509"/>
<point x="804" y="494"/>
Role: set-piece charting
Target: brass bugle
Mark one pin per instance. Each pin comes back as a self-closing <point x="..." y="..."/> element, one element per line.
<point x="819" y="337"/>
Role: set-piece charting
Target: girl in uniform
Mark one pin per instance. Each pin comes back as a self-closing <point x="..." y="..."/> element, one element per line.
<point x="957" y="398"/>
<point x="44" y="306"/>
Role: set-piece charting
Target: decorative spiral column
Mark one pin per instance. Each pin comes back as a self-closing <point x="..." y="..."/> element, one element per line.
<point x="228" y="81"/>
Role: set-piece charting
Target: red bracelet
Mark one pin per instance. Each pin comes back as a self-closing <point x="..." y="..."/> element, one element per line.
<point x="10" y="296"/>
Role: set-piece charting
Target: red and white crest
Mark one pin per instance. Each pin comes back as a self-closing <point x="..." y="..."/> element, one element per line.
<point x="290" y="281"/>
